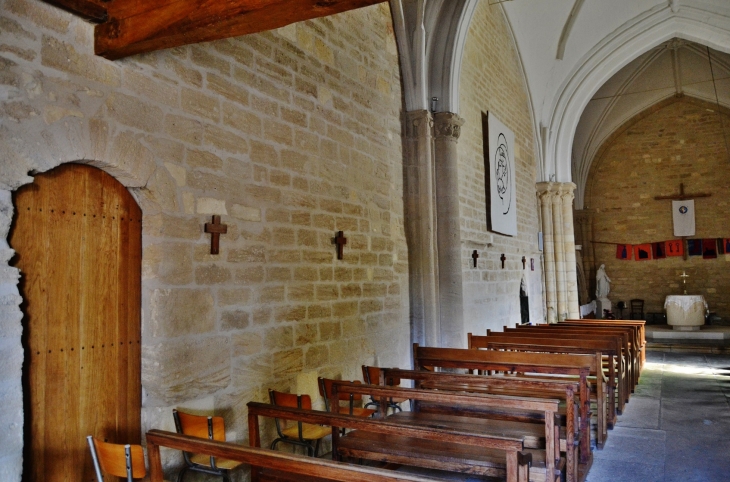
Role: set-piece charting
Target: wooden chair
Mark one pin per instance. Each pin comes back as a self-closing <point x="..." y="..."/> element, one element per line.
<point x="325" y="389"/>
<point x="637" y="309"/>
<point x="118" y="460"/>
<point x="302" y="434"/>
<point x="211" y="428"/>
<point x="371" y="376"/>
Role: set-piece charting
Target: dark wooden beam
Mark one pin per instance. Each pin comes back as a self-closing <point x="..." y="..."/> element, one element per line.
<point x="93" y="10"/>
<point x="137" y="26"/>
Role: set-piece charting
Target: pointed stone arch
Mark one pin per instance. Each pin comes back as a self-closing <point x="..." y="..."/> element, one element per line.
<point x="608" y="57"/>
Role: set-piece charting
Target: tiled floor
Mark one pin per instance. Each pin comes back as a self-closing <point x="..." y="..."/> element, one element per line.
<point x="676" y="426"/>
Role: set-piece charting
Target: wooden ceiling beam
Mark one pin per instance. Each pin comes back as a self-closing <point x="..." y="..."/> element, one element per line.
<point x="138" y="26"/>
<point x="93" y="10"/>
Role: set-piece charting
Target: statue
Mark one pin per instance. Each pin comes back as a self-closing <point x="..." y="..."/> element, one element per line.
<point x="603" y="283"/>
<point x="603" y="287"/>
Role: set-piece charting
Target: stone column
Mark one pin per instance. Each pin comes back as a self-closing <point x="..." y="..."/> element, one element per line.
<point x="571" y="276"/>
<point x="559" y="252"/>
<point x="546" y="220"/>
<point x="451" y="296"/>
<point x="584" y="236"/>
<point x="561" y="285"/>
<point x="420" y="224"/>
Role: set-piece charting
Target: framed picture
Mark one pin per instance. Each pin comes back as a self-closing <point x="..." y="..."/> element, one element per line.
<point x="499" y="170"/>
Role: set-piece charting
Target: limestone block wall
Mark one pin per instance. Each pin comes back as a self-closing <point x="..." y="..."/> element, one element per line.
<point x="492" y="80"/>
<point x="289" y="135"/>
<point x="678" y="142"/>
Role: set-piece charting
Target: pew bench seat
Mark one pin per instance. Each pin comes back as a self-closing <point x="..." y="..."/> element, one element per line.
<point x="432" y="454"/>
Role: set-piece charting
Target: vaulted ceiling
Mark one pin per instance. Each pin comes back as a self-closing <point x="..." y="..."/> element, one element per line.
<point x="128" y="27"/>
<point x="674" y="68"/>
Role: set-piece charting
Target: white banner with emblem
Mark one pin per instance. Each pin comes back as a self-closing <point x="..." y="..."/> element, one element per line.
<point x="683" y="215"/>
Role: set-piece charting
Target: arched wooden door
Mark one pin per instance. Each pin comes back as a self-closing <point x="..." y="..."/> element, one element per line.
<point x="78" y="234"/>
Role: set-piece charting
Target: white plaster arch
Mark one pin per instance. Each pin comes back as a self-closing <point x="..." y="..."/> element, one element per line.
<point x="431" y="35"/>
<point x="634" y="38"/>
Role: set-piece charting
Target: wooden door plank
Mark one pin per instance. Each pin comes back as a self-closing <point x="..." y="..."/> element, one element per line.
<point x="65" y="243"/>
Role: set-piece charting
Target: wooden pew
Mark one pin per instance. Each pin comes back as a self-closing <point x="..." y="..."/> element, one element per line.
<point x="631" y="346"/>
<point x="428" y="358"/>
<point x="401" y="444"/>
<point x="464" y="412"/>
<point x="634" y="346"/>
<point x="272" y="465"/>
<point x="554" y="331"/>
<point x="610" y="346"/>
<point x="499" y="385"/>
<point x="605" y="402"/>
<point x="639" y="327"/>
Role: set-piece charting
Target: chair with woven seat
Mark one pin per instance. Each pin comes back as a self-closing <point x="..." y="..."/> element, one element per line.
<point x="371" y="376"/>
<point x="212" y="428"/>
<point x="117" y="460"/>
<point x="637" y="309"/>
<point x="297" y="433"/>
<point x="325" y="389"/>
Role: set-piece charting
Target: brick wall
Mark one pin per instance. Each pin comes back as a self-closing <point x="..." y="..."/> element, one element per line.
<point x="681" y="142"/>
<point x="290" y="135"/>
<point x="492" y="80"/>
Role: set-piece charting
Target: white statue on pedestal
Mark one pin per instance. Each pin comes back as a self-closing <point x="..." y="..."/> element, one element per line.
<point x="603" y="287"/>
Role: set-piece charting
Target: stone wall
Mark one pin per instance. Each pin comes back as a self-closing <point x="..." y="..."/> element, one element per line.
<point x="492" y="80"/>
<point x="290" y="135"/>
<point x="677" y="142"/>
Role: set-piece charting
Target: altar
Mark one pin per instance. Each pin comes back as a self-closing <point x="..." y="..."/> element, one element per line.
<point x="685" y="312"/>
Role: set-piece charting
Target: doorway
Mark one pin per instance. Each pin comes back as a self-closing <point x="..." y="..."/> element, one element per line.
<point x="77" y="234"/>
<point x="524" y="303"/>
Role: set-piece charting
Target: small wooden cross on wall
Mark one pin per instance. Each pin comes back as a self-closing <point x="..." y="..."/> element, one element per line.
<point x="524" y="260"/>
<point x="215" y="229"/>
<point x="502" y="258"/>
<point x="475" y="256"/>
<point x="341" y="241"/>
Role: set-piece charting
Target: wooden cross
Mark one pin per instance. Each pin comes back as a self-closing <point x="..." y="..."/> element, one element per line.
<point x="681" y="197"/>
<point x="215" y="229"/>
<point x="341" y="241"/>
<point x="475" y="256"/>
<point x="523" y="262"/>
<point x="502" y="258"/>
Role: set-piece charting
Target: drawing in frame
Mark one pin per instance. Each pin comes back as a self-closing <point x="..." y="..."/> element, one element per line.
<point x="499" y="170"/>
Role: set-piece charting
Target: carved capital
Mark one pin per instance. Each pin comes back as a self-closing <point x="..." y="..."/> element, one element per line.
<point x="447" y="125"/>
<point x="419" y="123"/>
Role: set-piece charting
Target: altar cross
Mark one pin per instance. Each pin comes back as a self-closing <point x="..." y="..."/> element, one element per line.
<point x="215" y="229"/>
<point x="684" y="277"/>
<point x="681" y="197"/>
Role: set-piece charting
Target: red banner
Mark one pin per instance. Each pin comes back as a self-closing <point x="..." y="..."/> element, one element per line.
<point x="642" y="252"/>
<point x="674" y="247"/>
<point x="623" y="251"/>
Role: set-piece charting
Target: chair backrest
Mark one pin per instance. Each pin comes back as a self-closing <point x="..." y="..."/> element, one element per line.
<point x="289" y="400"/>
<point x="637" y="306"/>
<point x="371" y="376"/>
<point x="325" y="389"/>
<point x="118" y="460"/>
<point x="201" y="426"/>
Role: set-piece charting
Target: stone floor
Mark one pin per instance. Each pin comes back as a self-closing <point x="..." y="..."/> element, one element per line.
<point x="676" y="426"/>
